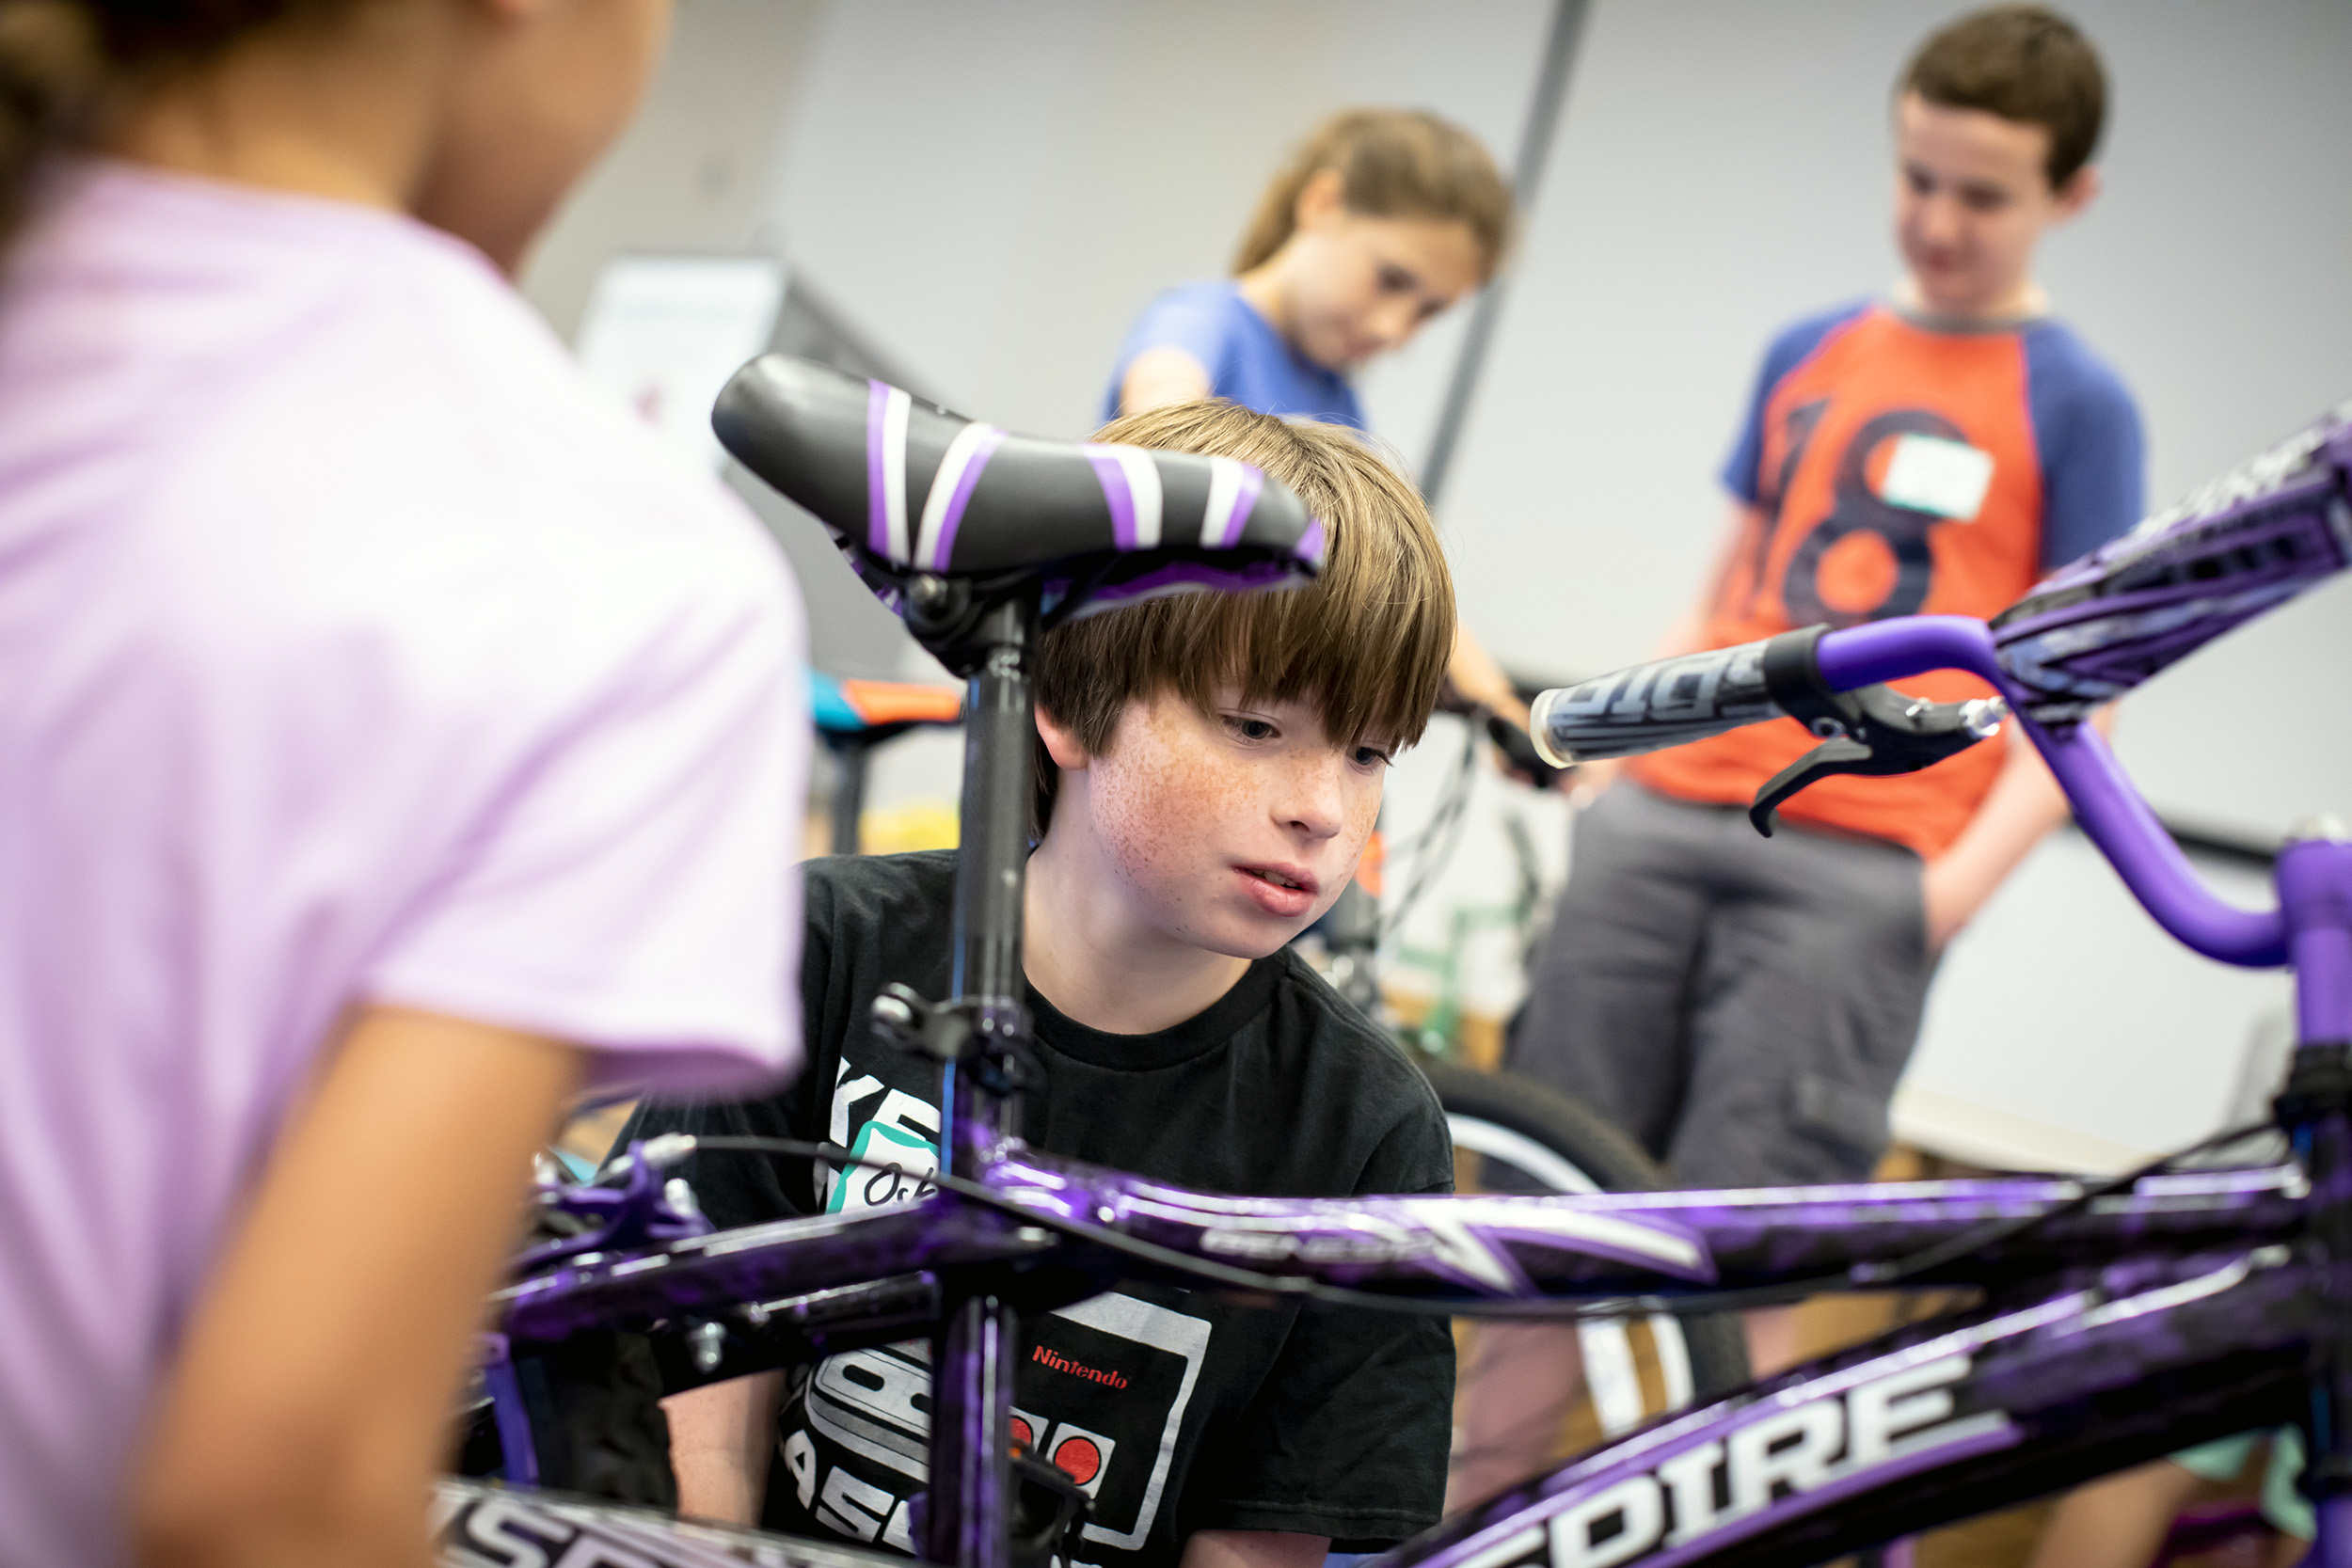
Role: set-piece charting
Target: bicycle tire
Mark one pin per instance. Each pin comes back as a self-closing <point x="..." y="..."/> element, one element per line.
<point x="1580" y="1136"/>
<point x="1565" y="1147"/>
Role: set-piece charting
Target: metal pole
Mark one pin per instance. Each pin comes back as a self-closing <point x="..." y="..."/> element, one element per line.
<point x="1527" y="174"/>
<point x="997" y="738"/>
<point x="849" y="795"/>
<point x="973" y="1358"/>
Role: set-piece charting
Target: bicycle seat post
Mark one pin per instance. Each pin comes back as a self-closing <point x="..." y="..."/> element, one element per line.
<point x="974" y="1351"/>
<point x="987" y="982"/>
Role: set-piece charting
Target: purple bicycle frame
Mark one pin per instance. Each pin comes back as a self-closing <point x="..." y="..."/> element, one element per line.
<point x="2192" y="1306"/>
<point x="2112" y="1364"/>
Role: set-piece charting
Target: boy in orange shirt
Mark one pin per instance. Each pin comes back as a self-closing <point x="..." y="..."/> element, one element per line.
<point x="1743" y="1007"/>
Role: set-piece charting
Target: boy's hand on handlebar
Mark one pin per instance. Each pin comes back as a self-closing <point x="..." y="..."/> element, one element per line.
<point x="1475" y="678"/>
<point x="1514" y="751"/>
<point x="1476" y="685"/>
<point x="1512" y="747"/>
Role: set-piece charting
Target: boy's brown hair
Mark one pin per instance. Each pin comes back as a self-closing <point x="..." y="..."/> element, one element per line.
<point x="1392" y="163"/>
<point x="2022" y="63"/>
<point x="1365" y="644"/>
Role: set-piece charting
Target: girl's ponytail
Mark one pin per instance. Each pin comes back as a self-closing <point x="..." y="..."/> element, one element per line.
<point x="53" y="76"/>
<point x="1392" y="163"/>
<point x="64" y="63"/>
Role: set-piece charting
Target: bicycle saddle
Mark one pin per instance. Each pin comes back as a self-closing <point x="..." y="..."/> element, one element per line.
<point x="909" y="490"/>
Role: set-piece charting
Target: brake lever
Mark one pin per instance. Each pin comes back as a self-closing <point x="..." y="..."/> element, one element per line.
<point x="632" y="1202"/>
<point x="1874" y="730"/>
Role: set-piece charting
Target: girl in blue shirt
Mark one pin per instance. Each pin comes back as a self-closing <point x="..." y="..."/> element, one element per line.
<point x="1382" y="218"/>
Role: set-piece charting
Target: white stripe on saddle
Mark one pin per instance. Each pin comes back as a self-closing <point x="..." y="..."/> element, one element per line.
<point x="895" y="413"/>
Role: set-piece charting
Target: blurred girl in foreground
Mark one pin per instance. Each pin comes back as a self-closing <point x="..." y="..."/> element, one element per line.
<point x="394" y="742"/>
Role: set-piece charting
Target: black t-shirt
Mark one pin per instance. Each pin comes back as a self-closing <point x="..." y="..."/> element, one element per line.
<point x="1177" y="1412"/>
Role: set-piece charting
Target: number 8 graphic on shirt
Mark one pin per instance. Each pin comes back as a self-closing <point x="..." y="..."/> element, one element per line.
<point x="1841" y="542"/>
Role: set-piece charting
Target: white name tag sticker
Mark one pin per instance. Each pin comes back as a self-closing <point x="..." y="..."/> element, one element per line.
<point x="1928" y="473"/>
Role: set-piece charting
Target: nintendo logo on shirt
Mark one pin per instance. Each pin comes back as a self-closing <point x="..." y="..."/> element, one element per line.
<point x="1063" y="1364"/>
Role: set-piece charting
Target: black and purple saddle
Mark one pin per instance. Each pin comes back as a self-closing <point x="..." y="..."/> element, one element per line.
<point x="909" y="490"/>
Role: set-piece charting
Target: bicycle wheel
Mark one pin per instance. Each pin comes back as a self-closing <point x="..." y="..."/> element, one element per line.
<point x="1531" y="1393"/>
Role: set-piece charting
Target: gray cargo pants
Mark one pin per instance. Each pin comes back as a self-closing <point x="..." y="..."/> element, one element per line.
<point x="1741" y="1006"/>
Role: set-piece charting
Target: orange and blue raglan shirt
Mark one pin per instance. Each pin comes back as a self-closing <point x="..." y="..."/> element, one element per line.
<point x="1898" y="465"/>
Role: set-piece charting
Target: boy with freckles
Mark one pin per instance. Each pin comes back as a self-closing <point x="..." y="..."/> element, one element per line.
<point x="1208" y="768"/>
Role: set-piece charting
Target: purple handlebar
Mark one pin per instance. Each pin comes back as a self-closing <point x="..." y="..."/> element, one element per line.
<point x="2106" y="807"/>
<point x="1913" y="645"/>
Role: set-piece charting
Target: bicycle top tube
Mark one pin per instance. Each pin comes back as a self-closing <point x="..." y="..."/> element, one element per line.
<point x="1461" y="1249"/>
<point x="2107" y="807"/>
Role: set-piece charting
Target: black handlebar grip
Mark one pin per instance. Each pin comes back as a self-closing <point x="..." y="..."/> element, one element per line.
<point x="1647" y="708"/>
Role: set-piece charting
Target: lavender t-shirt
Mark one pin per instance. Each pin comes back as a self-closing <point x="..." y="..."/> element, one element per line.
<point x="350" y="649"/>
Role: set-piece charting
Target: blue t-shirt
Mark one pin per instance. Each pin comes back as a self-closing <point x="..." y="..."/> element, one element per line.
<point x="2085" y="427"/>
<point x="1247" y="361"/>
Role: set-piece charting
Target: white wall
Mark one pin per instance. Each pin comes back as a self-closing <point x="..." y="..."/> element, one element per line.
<point x="2116" y="1063"/>
<point x="995" y="189"/>
<point x="992" y="190"/>
<point x="691" y="172"/>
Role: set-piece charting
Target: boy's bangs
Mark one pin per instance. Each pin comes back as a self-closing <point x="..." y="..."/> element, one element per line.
<point x="1366" y="655"/>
